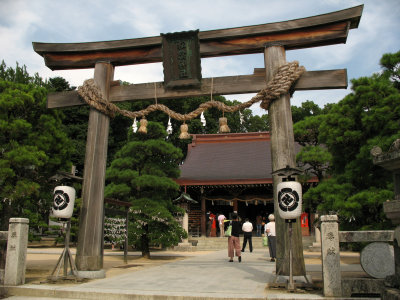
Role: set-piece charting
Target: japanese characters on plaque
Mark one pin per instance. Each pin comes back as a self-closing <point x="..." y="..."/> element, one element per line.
<point x="181" y="59"/>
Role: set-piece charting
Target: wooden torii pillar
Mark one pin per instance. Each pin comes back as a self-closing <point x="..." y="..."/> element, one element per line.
<point x="321" y="30"/>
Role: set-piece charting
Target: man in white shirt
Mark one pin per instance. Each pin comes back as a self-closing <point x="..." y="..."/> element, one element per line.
<point x="270" y="232"/>
<point x="247" y="229"/>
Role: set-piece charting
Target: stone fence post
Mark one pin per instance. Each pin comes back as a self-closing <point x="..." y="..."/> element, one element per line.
<point x="331" y="256"/>
<point x="17" y="245"/>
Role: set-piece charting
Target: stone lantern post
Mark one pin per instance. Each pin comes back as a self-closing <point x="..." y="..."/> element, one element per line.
<point x="391" y="161"/>
<point x="183" y="201"/>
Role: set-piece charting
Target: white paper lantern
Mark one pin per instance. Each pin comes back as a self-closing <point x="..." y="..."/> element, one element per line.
<point x="63" y="201"/>
<point x="289" y="199"/>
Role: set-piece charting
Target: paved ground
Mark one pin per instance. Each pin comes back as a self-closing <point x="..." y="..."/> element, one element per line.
<point x="178" y="275"/>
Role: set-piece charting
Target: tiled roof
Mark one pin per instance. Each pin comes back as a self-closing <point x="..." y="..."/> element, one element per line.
<point x="237" y="157"/>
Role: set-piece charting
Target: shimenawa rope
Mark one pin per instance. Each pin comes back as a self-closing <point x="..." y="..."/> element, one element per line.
<point x="280" y="84"/>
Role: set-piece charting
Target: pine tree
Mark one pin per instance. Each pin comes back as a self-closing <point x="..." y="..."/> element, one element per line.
<point x="33" y="148"/>
<point x="142" y="173"/>
<point x="368" y="117"/>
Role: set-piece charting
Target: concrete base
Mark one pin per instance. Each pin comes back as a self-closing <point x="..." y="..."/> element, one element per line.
<point x="283" y="282"/>
<point x="359" y="286"/>
<point x="92" y="274"/>
<point x="391" y="294"/>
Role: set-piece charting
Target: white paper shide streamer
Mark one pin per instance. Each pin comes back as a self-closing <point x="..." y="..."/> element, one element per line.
<point x="203" y="119"/>
<point x="134" y="126"/>
<point x="169" y="126"/>
<point x="241" y="118"/>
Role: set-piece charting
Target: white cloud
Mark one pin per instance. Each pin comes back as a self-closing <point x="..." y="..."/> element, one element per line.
<point x="24" y="21"/>
<point x="141" y="18"/>
<point x="140" y="73"/>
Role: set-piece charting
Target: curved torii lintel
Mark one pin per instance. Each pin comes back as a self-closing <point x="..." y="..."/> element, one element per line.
<point x="321" y="30"/>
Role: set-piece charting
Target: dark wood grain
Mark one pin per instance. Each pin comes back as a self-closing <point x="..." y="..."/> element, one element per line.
<point x="283" y="154"/>
<point x="89" y="253"/>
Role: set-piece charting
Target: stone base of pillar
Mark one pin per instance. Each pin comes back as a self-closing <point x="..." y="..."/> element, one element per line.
<point x="92" y="274"/>
<point x="282" y="281"/>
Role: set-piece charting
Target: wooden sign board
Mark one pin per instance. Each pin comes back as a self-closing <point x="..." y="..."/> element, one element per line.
<point x="181" y="59"/>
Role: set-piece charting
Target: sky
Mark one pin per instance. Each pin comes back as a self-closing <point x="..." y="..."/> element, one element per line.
<point x="68" y="21"/>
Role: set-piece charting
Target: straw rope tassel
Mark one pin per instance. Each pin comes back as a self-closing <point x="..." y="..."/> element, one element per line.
<point x="143" y="126"/>
<point x="184" y="135"/>
<point x="223" y="125"/>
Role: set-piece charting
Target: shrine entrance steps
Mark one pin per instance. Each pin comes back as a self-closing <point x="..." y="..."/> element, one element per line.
<point x="218" y="243"/>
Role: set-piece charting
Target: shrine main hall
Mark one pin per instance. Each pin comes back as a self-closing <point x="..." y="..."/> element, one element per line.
<point x="229" y="172"/>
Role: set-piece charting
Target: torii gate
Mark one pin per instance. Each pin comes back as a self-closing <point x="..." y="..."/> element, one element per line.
<point x="272" y="39"/>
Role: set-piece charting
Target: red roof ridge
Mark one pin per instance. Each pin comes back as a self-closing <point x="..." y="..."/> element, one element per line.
<point x="230" y="137"/>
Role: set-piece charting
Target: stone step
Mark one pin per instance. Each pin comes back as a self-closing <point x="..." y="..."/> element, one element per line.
<point x="217" y="243"/>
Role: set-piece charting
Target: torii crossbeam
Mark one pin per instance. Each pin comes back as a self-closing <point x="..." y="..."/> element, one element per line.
<point x="272" y="39"/>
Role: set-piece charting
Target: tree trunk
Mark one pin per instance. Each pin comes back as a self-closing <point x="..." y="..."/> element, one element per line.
<point x="283" y="154"/>
<point x="145" y="244"/>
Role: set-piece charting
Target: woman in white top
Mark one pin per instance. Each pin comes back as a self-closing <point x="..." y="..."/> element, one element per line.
<point x="271" y="234"/>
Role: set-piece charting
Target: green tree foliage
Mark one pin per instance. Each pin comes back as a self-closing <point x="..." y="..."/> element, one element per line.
<point x="314" y="158"/>
<point x="20" y="75"/>
<point x="369" y="116"/>
<point x="390" y="63"/>
<point x="141" y="173"/>
<point x="33" y="148"/>
<point x="75" y="121"/>
<point x="307" y="109"/>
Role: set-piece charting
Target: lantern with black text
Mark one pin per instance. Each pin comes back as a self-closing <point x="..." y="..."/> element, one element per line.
<point x="63" y="201"/>
<point x="289" y="199"/>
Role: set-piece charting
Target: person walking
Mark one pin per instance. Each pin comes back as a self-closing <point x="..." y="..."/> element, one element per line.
<point x="247" y="229"/>
<point x="208" y="223"/>
<point x="234" y="240"/>
<point x="221" y="221"/>
<point x="271" y="234"/>
<point x="213" y="219"/>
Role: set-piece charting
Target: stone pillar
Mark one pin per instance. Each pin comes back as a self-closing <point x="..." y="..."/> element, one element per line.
<point x="185" y="245"/>
<point x="89" y="254"/>
<point x="185" y="225"/>
<point x="331" y="256"/>
<point x="16" y="251"/>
